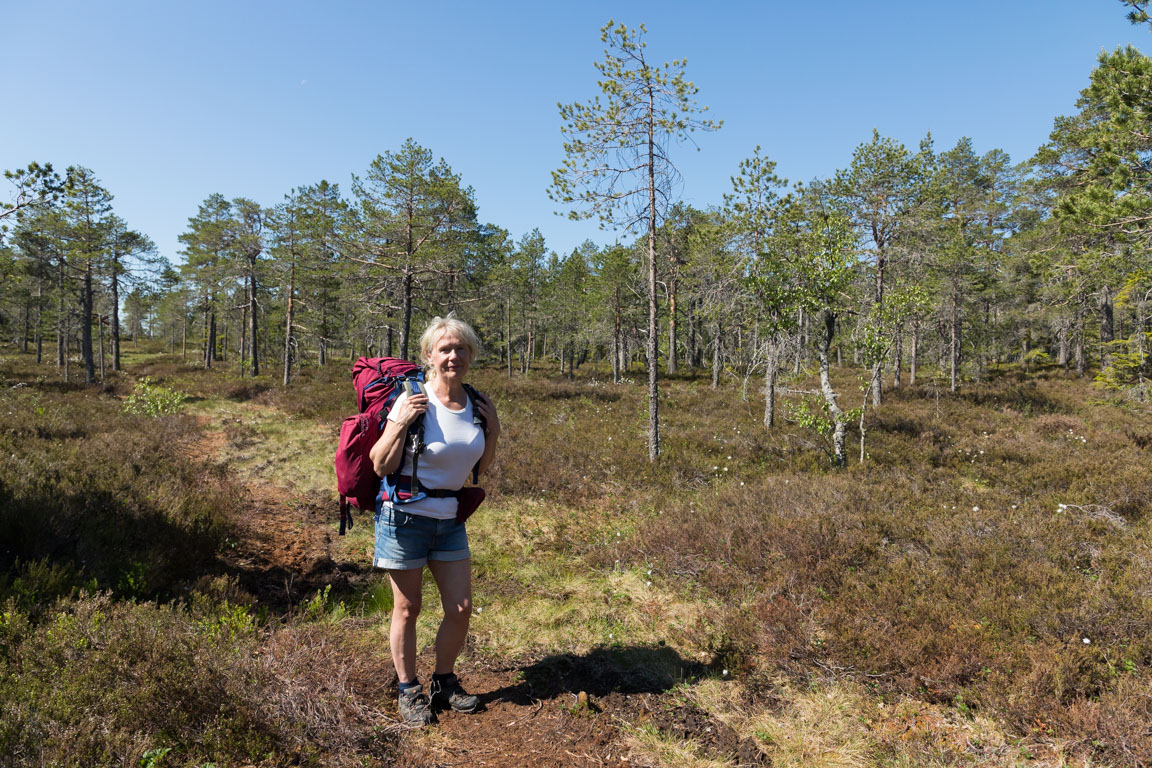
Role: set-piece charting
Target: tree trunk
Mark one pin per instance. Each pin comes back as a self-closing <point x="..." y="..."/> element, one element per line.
<point x="116" y="321"/>
<point x="209" y="337"/>
<point x="1078" y="341"/>
<point x="214" y="340"/>
<point x="288" y="323"/>
<point x="67" y="351"/>
<point x="672" y="288"/>
<point x="1107" y="324"/>
<point x="897" y="357"/>
<point x="877" y="368"/>
<point x="653" y="329"/>
<point x="770" y="384"/>
<point x="915" y="351"/>
<point x="27" y="326"/>
<point x="406" y="320"/>
<point x="690" y="347"/>
<point x="1141" y="339"/>
<point x="508" y="335"/>
<point x="617" y="333"/>
<point x="252" y="318"/>
<point x="243" y="340"/>
<point x="954" y="339"/>
<point x="101" y="321"/>
<point x="800" y="325"/>
<point x="61" y="319"/>
<point x="716" y="357"/>
<point x="1062" y="348"/>
<point x="863" y="431"/>
<point x="839" y="456"/>
<point x="86" y="327"/>
<point x="39" y="323"/>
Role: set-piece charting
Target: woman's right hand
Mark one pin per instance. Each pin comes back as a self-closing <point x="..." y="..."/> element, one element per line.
<point x="388" y="453"/>
<point x="408" y="408"/>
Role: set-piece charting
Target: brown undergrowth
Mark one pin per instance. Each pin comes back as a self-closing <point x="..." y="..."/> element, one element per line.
<point x="992" y="554"/>
<point x="974" y="592"/>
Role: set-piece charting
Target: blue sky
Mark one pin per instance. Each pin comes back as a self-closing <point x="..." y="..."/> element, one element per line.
<point x="170" y="102"/>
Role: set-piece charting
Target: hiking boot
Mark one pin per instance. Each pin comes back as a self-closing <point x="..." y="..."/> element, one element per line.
<point x="414" y="707"/>
<point x="448" y="693"/>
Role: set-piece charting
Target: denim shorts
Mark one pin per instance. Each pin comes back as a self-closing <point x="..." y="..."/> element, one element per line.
<point x="405" y="541"/>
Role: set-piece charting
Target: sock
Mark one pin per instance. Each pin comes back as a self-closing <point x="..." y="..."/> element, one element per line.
<point x="441" y="678"/>
<point x="405" y="686"/>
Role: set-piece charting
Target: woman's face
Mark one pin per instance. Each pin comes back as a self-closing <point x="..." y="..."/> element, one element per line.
<point x="449" y="357"/>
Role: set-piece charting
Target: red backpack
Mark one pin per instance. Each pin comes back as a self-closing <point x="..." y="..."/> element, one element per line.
<point x="378" y="382"/>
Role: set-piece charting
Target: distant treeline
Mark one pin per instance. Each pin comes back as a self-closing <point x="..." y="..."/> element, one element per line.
<point x="907" y="257"/>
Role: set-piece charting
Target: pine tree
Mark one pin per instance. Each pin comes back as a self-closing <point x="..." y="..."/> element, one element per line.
<point x="617" y="165"/>
<point x="124" y="246"/>
<point x="205" y="264"/>
<point x="751" y="210"/>
<point x="878" y="191"/>
<point x="413" y="212"/>
<point x="88" y="207"/>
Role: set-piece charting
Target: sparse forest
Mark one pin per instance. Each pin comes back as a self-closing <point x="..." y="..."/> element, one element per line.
<point x="849" y="471"/>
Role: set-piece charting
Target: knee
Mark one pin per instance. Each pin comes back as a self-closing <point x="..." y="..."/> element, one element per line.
<point x="460" y="611"/>
<point x="406" y="611"/>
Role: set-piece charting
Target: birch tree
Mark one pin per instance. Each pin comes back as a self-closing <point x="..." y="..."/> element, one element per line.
<point x="817" y="243"/>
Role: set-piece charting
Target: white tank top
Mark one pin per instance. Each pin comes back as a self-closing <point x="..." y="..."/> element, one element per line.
<point x="454" y="445"/>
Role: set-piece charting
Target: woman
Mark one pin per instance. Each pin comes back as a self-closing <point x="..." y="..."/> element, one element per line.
<point x="425" y="532"/>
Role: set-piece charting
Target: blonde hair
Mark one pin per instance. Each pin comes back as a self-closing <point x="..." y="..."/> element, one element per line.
<point x="451" y="323"/>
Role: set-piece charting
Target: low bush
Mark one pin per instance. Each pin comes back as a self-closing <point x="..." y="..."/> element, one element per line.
<point x="151" y="399"/>
<point x="100" y="682"/>
<point x="93" y="497"/>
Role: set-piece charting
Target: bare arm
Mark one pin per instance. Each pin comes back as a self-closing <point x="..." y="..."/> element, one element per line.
<point x="388" y="453"/>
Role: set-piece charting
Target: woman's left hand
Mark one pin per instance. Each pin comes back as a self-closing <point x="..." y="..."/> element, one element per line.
<point x="488" y="411"/>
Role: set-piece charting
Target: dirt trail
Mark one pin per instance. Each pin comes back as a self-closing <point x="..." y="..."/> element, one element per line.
<point x="531" y="711"/>
<point x="282" y="552"/>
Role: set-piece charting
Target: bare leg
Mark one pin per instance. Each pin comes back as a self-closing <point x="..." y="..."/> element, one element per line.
<point x="405" y="610"/>
<point x="454" y="578"/>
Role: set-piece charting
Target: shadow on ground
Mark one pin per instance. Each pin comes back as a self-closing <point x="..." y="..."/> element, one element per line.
<point x="599" y="673"/>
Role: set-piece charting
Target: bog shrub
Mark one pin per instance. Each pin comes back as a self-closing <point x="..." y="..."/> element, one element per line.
<point x="151" y="399"/>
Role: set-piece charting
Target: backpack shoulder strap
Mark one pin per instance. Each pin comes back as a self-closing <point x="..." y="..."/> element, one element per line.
<point x="479" y="420"/>
<point x="414" y="437"/>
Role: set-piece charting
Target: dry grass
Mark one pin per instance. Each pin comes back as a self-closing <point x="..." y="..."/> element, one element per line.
<point x="264" y="443"/>
<point x="649" y="748"/>
<point x="534" y="597"/>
